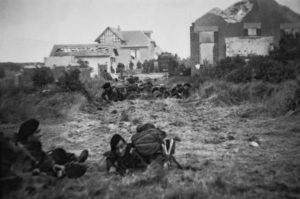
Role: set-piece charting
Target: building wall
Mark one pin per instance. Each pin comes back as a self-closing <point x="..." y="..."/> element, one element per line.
<point x="60" y="61"/>
<point x="146" y="54"/>
<point x="125" y="55"/>
<point x="71" y="60"/>
<point x="245" y="46"/>
<point x="109" y="37"/>
<point x="225" y="31"/>
<point x="94" y="62"/>
<point x="194" y="45"/>
<point x="207" y="53"/>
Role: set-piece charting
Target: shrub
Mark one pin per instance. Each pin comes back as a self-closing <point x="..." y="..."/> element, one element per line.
<point x="2" y="73"/>
<point x="289" y="48"/>
<point x="270" y="70"/>
<point x="139" y="65"/>
<point x="131" y="64"/>
<point x="94" y="88"/>
<point x="120" y="68"/>
<point x="83" y="64"/>
<point x="263" y="68"/>
<point x="42" y="77"/>
<point x="227" y="65"/>
<point x="70" y="81"/>
<point x="283" y="97"/>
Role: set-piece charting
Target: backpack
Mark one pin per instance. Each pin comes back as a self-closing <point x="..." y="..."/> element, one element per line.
<point x="148" y="142"/>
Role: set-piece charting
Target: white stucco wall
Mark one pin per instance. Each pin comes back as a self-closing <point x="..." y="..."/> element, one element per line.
<point x="245" y="46"/>
<point x="60" y="61"/>
<point x="71" y="60"/>
<point x="94" y="62"/>
<point x="142" y="54"/>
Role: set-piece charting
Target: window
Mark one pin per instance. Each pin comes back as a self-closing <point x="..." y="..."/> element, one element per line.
<point x="252" y="29"/>
<point x="252" y="32"/>
<point x="116" y="39"/>
<point x="207" y="37"/>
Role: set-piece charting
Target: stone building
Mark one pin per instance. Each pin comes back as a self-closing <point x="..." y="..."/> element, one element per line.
<point x="249" y="27"/>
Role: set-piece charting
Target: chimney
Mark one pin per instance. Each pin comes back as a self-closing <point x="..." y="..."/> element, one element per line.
<point x="119" y="28"/>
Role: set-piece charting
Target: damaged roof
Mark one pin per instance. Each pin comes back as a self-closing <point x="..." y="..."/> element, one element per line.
<point x="135" y="38"/>
<point x="82" y="50"/>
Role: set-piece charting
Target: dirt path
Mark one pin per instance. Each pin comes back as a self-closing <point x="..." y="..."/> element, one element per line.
<point x="215" y="150"/>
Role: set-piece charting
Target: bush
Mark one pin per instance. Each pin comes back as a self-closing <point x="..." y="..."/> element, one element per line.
<point x="227" y="65"/>
<point x="42" y="77"/>
<point x="139" y="65"/>
<point x="2" y="73"/>
<point x="120" y="68"/>
<point x="131" y="64"/>
<point x="94" y="88"/>
<point x="283" y="98"/>
<point x="263" y="68"/>
<point x="289" y="48"/>
<point x="70" y="81"/>
<point x="22" y="106"/>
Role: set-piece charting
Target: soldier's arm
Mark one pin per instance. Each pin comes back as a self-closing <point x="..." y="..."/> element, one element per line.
<point x="21" y="149"/>
<point x="138" y="158"/>
<point x="110" y="162"/>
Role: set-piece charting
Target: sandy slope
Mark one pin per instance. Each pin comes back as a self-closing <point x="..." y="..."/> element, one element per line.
<point x="215" y="148"/>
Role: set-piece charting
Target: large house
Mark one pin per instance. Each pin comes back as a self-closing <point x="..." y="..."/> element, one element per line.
<point x="249" y="27"/>
<point x="131" y="46"/>
<point x="113" y="46"/>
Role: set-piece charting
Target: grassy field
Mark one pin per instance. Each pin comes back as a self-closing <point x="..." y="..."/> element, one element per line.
<point x="217" y="151"/>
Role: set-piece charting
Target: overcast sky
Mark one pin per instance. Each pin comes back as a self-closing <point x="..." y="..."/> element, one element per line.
<point x="29" y="28"/>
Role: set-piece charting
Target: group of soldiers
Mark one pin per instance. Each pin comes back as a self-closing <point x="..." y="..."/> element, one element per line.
<point x="23" y="154"/>
<point x="133" y="88"/>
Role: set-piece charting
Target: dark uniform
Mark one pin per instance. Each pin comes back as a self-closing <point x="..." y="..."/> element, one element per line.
<point x="111" y="93"/>
<point x="41" y="160"/>
<point x="131" y="160"/>
<point x="177" y="91"/>
<point x="186" y="90"/>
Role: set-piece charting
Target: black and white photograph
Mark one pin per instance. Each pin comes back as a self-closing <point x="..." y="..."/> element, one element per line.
<point x="150" y="99"/>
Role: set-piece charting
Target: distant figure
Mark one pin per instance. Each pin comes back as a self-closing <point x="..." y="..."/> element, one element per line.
<point x="177" y="91"/>
<point x="107" y="76"/>
<point x="111" y="93"/>
<point x="186" y="90"/>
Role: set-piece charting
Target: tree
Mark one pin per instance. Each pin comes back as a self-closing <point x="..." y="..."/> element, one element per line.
<point x="83" y="64"/>
<point x="70" y="81"/>
<point x="288" y="49"/>
<point x="120" y="68"/>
